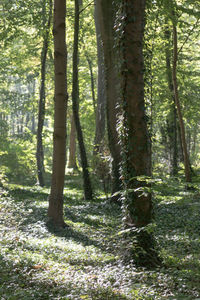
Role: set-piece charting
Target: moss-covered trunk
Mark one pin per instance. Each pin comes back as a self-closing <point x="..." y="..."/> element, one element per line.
<point x="137" y="156"/>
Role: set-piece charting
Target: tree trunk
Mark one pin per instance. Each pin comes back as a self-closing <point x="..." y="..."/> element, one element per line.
<point x="106" y="16"/>
<point x="55" y="211"/>
<point x="33" y="130"/>
<point x="75" y="105"/>
<point x="101" y="96"/>
<point x="72" y="145"/>
<point x="92" y="82"/>
<point x="173" y="117"/>
<point x="195" y="134"/>
<point x="176" y="95"/>
<point x="135" y="140"/>
<point x="137" y="204"/>
<point x="41" y="111"/>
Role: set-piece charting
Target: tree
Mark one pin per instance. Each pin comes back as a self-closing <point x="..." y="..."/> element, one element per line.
<point x="72" y="145"/>
<point x="90" y="65"/>
<point x="137" y="204"/>
<point x="101" y="96"/>
<point x="137" y="159"/>
<point x="172" y="118"/>
<point x="106" y="13"/>
<point x="55" y="210"/>
<point x="41" y="111"/>
<point x="75" y="105"/>
<point x="176" y="95"/>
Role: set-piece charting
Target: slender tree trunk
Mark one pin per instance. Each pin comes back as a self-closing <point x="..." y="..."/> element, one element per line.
<point x="18" y="123"/>
<point x="55" y="210"/>
<point x="178" y="105"/>
<point x="72" y="145"/>
<point x="92" y="82"/>
<point x="195" y="134"/>
<point x="175" y="146"/>
<point x="21" y="124"/>
<point x="106" y="15"/>
<point x="101" y="95"/>
<point x="75" y="105"/>
<point x="41" y="111"/>
<point x="33" y="130"/>
<point x="189" y="141"/>
<point x="27" y="119"/>
<point x="173" y="109"/>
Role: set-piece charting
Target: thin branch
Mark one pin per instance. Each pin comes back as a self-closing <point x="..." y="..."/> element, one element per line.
<point x="187" y="38"/>
<point x="92" y="2"/>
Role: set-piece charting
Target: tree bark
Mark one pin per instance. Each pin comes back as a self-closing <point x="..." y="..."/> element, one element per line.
<point x="42" y="100"/>
<point x="75" y="105"/>
<point x="137" y="204"/>
<point x="101" y="95"/>
<point x="178" y="105"/>
<point x="55" y="210"/>
<point x="106" y="16"/>
<point x="72" y="145"/>
<point x="136" y="143"/>
<point x="173" y="113"/>
<point x="92" y="82"/>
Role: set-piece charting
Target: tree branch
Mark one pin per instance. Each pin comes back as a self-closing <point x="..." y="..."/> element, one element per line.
<point x="188" y="36"/>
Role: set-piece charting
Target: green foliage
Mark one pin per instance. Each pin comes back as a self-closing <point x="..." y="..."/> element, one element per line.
<point x="159" y="99"/>
<point x="83" y="261"/>
<point x="18" y="161"/>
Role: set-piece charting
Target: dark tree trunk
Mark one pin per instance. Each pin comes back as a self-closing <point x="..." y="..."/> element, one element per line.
<point x="136" y="142"/>
<point x="55" y="210"/>
<point x="101" y="95"/>
<point x="137" y="204"/>
<point x="33" y="130"/>
<point x="106" y="13"/>
<point x="72" y="145"/>
<point x="75" y="105"/>
<point x="92" y="81"/>
<point x="173" y="115"/>
<point x="41" y="111"/>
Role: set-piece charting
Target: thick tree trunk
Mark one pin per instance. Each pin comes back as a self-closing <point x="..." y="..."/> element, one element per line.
<point x="137" y="204"/>
<point x="42" y="100"/>
<point x="180" y="117"/>
<point x="101" y="95"/>
<point x="136" y="140"/>
<point x="75" y="105"/>
<point x="55" y="211"/>
<point x="106" y="16"/>
<point x="72" y="145"/>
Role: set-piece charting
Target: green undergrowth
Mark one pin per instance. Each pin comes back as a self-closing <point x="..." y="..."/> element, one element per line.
<point x="84" y="260"/>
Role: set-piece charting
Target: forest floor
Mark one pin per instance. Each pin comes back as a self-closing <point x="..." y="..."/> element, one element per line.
<point x="84" y="260"/>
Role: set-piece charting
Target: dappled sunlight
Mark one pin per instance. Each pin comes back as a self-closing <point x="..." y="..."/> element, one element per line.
<point x="84" y="259"/>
